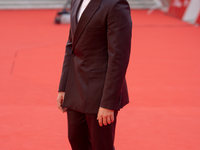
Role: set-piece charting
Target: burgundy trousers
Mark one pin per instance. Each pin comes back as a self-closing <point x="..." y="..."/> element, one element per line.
<point x="84" y="132"/>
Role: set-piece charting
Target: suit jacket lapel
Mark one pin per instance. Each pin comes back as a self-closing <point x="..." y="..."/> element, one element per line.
<point x="90" y="10"/>
<point x="74" y="13"/>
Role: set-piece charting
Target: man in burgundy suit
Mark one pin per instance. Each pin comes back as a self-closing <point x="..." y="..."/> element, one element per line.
<point x="92" y="86"/>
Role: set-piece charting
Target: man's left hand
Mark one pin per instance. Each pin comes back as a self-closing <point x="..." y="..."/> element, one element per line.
<point x="105" y="116"/>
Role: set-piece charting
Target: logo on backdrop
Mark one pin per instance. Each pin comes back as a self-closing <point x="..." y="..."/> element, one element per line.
<point x="179" y="3"/>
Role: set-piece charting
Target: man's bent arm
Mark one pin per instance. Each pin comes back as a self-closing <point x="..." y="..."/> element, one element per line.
<point x="119" y="45"/>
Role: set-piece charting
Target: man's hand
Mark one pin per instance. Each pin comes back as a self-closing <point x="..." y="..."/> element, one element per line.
<point x="105" y="116"/>
<point x="60" y="99"/>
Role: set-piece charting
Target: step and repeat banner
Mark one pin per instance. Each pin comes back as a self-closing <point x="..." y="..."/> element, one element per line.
<point x="187" y="10"/>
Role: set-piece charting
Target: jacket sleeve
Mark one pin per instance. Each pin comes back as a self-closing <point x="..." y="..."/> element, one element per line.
<point x="66" y="64"/>
<point x="119" y="31"/>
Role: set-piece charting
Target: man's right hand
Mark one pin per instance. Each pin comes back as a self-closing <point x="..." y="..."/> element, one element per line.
<point x="60" y="100"/>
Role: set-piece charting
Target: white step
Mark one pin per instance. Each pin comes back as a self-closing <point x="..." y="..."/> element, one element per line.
<point x="142" y="4"/>
<point x="47" y="4"/>
<point x="31" y="4"/>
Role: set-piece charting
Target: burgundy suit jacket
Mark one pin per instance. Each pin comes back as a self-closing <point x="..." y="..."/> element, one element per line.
<point x="97" y="56"/>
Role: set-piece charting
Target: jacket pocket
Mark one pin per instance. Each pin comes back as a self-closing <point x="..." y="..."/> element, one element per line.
<point x="93" y="28"/>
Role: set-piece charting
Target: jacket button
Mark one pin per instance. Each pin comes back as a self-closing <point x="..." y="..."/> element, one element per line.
<point x="120" y="100"/>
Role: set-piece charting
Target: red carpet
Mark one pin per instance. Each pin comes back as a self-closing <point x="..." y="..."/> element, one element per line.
<point x="163" y="79"/>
